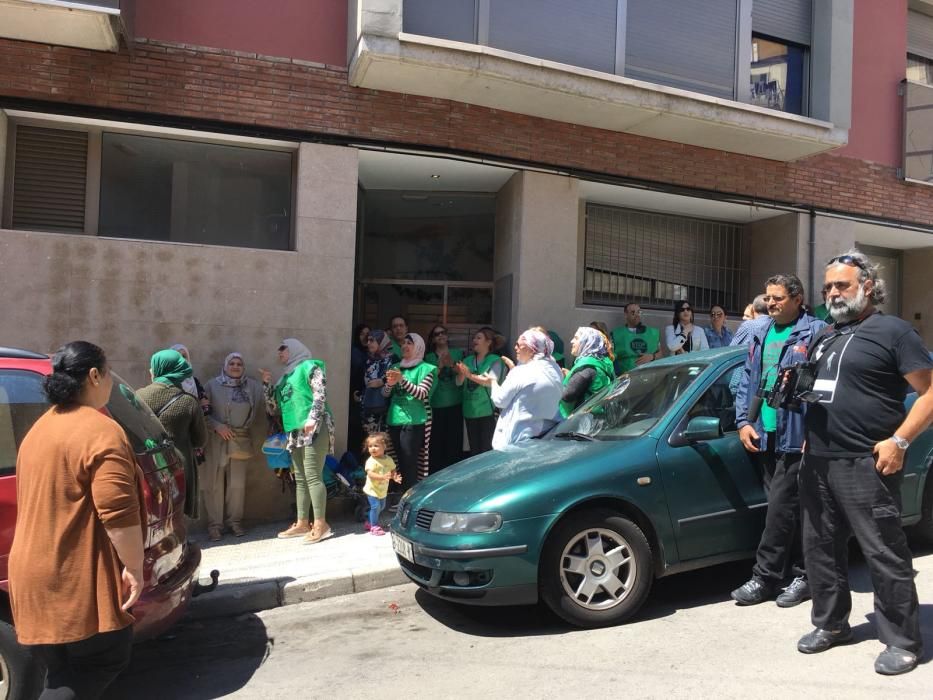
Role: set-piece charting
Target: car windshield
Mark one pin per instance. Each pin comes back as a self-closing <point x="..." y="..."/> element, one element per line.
<point x="143" y="429"/>
<point x="631" y="406"/>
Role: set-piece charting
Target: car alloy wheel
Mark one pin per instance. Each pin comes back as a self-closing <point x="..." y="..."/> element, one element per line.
<point x="596" y="568"/>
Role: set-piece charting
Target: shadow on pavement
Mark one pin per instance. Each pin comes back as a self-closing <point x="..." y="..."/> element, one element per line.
<point x="197" y="660"/>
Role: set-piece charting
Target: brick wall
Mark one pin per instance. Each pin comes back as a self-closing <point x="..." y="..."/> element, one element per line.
<point x="249" y="89"/>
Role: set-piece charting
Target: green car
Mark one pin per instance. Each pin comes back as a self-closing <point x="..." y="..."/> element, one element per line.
<point x="645" y="480"/>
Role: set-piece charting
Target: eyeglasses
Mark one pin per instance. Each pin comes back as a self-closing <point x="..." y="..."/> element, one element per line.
<point x="776" y="299"/>
<point x="685" y="308"/>
<point x="716" y="314"/>
<point x="841" y="285"/>
<point x="848" y="260"/>
<point x="400" y="324"/>
<point x="283" y="348"/>
<point x="437" y="333"/>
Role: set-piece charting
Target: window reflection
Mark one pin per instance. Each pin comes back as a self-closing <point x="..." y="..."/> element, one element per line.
<point x="919" y="69"/>
<point x="777" y="75"/>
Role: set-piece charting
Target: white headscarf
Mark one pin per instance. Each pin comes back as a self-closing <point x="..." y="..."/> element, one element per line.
<point x="297" y="353"/>
<point x="590" y="343"/>
<point x="188" y="385"/>
<point x="538" y="342"/>
<point x="419" y="351"/>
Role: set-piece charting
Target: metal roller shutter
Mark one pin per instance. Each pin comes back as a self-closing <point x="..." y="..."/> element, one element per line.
<point x="580" y="33"/>
<point x="790" y="20"/>
<point x="49" y="179"/>
<point x="920" y="34"/>
<point x="687" y="44"/>
<point x="451" y="19"/>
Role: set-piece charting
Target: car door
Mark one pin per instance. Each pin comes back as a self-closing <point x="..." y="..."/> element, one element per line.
<point x="714" y="491"/>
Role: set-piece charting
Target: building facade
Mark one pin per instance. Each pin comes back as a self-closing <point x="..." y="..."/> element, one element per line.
<point x="228" y="173"/>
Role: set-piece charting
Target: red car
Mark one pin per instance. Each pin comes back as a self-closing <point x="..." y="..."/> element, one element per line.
<point x="171" y="562"/>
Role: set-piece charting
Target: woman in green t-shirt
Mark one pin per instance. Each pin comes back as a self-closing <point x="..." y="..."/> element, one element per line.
<point x="408" y="386"/>
<point x="591" y="372"/>
<point x="478" y="409"/>
<point x="446" y="402"/>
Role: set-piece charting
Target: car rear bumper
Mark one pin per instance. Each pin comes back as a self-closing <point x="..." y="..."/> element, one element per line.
<point x="162" y="606"/>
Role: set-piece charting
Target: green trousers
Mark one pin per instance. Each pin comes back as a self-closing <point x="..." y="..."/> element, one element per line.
<point x="308" y="465"/>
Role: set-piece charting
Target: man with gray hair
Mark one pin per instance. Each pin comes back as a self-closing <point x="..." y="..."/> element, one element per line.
<point x="850" y="480"/>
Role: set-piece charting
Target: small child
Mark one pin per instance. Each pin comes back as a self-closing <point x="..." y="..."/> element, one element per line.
<point x="380" y="468"/>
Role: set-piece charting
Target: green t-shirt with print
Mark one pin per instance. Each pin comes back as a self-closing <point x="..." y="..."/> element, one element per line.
<point x="770" y="358"/>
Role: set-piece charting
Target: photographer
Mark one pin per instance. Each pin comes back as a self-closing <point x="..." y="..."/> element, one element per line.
<point x="850" y="483"/>
<point x="773" y="433"/>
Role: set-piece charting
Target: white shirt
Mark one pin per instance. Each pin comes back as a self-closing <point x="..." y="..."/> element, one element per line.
<point x="674" y="343"/>
<point x="528" y="399"/>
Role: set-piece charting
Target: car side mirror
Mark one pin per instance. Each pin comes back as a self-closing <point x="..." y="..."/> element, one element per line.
<point x="702" y="428"/>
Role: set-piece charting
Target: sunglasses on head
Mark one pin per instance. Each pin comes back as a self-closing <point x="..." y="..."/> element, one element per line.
<point x="848" y="260"/>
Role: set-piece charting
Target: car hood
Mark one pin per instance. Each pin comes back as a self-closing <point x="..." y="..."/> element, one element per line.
<point x="509" y="480"/>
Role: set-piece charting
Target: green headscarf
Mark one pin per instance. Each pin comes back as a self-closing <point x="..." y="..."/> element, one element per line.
<point x="169" y="367"/>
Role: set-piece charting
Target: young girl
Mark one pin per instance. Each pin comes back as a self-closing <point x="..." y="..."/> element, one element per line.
<point x="380" y="468"/>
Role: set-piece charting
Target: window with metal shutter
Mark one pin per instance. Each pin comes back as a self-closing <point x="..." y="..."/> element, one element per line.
<point x="687" y="44"/>
<point x="49" y="179"/>
<point x="790" y="20"/>
<point x="451" y="19"/>
<point x="656" y="259"/>
<point x="920" y="34"/>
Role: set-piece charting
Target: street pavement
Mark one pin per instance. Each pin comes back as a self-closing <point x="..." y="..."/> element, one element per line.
<point x="690" y="641"/>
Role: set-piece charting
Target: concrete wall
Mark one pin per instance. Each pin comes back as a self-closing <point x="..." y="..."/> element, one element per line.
<point x="917" y="296"/>
<point x="777" y="245"/>
<point x="135" y="297"/>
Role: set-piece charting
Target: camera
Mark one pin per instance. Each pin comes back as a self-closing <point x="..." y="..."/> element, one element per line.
<point x="793" y="386"/>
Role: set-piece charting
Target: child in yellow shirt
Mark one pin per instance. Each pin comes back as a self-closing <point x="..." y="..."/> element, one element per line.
<point x="380" y="468"/>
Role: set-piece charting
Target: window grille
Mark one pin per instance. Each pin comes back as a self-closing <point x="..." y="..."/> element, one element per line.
<point x="657" y="259"/>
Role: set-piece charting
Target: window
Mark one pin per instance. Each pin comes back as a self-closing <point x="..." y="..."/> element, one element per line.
<point x="656" y="259"/>
<point x="778" y="74"/>
<point x="22" y="401"/>
<point x="149" y="187"/>
<point x="719" y="400"/>
<point x="919" y="69"/>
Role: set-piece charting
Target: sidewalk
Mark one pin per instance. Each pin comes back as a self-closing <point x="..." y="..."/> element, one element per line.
<point x="259" y="571"/>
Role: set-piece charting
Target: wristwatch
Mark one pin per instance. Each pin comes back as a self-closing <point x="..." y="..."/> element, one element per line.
<point x="902" y="443"/>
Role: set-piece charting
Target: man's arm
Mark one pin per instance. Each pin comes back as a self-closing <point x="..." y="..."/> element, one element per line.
<point x="889" y="457"/>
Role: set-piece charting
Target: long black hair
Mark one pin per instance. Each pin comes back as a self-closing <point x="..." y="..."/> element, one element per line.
<point x="71" y="364"/>
<point x="677" y="308"/>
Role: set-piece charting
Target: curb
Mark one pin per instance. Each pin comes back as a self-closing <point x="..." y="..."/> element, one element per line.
<point x="236" y="598"/>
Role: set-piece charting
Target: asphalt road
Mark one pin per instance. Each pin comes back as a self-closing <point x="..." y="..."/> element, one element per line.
<point x="690" y="641"/>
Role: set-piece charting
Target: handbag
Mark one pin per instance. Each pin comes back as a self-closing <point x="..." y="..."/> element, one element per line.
<point x="240" y="446"/>
<point x="277" y="456"/>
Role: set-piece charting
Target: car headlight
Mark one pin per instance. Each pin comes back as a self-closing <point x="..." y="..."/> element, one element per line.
<point x="455" y="523"/>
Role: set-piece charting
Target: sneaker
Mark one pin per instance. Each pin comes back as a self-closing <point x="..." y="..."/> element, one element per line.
<point x="293" y="531"/>
<point x="797" y="592"/>
<point x="377" y="531"/>
<point x="214" y="534"/>
<point x="820" y="640"/>
<point x="754" y="591"/>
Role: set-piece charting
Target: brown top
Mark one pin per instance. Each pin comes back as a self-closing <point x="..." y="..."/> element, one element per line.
<point x="75" y="476"/>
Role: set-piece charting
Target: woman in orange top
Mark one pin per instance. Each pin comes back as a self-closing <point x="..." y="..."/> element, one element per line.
<point x="76" y="565"/>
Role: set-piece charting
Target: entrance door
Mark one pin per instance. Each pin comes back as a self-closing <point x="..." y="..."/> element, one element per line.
<point x="714" y="491"/>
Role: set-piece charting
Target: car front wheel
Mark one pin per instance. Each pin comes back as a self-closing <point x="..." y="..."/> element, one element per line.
<point x="596" y="569"/>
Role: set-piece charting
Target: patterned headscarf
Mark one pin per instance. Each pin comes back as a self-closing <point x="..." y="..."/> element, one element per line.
<point x="239" y="394"/>
<point x="419" y="350"/>
<point x="383" y="340"/>
<point x="540" y="344"/>
<point x="591" y="343"/>
<point x="297" y="353"/>
<point x="189" y="385"/>
<point x="170" y="368"/>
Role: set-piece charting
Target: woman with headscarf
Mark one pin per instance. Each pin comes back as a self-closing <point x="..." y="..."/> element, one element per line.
<point x="193" y="386"/>
<point x="408" y="387"/>
<point x="682" y="335"/>
<point x="180" y="413"/>
<point x="446" y="401"/>
<point x="592" y="371"/>
<point x="378" y="361"/>
<point x="478" y="408"/>
<point x="236" y="402"/>
<point x="300" y="397"/>
<point x="529" y="396"/>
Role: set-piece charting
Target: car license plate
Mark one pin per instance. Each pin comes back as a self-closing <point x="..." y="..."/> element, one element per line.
<point x="402" y="547"/>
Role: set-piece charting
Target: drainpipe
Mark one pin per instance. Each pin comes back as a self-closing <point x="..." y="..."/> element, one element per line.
<point x="812" y="255"/>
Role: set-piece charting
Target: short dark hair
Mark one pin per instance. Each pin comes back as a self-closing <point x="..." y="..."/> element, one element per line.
<point x="71" y="364"/>
<point x="405" y="320"/>
<point x="631" y="303"/>
<point x="759" y="304"/>
<point x="791" y="283"/>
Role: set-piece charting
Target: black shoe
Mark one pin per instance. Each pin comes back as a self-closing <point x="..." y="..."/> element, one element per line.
<point x="797" y="592"/>
<point x="754" y="591"/>
<point x="893" y="661"/>
<point x="820" y="640"/>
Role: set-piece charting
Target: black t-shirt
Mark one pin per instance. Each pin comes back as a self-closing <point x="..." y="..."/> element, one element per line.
<point x="860" y="380"/>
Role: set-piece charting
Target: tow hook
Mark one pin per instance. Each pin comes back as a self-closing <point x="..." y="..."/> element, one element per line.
<point x="199" y="588"/>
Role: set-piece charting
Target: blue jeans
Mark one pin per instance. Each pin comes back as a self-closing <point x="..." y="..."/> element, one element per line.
<point x="376" y="506"/>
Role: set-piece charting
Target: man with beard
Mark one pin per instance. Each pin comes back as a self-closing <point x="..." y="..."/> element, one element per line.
<point x="850" y="481"/>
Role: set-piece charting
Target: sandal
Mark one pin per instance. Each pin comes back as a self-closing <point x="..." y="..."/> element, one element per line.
<point x="293" y="531"/>
<point x="315" y="537"/>
<point x="378" y="531"/>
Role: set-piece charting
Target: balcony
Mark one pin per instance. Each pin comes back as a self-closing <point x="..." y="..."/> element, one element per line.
<point x="384" y="57"/>
<point x="89" y="24"/>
